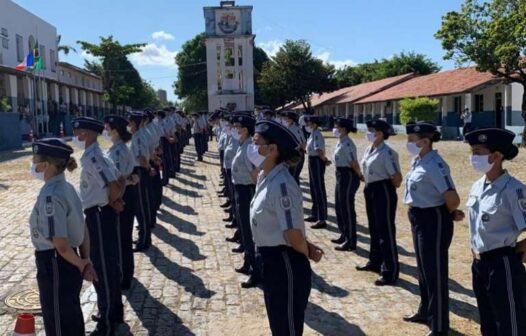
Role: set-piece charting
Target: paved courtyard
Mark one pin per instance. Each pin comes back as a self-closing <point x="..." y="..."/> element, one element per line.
<point x="186" y="284"/>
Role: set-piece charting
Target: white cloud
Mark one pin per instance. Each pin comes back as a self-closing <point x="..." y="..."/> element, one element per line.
<point x="162" y="35"/>
<point x="89" y="57"/>
<point x="325" y="56"/>
<point x="271" y="47"/>
<point x="153" y="54"/>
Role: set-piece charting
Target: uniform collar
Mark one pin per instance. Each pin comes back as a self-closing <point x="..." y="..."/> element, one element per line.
<point x="428" y="157"/>
<point x="93" y="147"/>
<point x="275" y="171"/>
<point x="56" y="178"/>
<point x="248" y="139"/>
<point x="116" y="144"/>
<point x="499" y="183"/>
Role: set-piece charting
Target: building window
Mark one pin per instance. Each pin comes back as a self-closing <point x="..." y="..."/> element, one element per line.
<point x="20" y="48"/>
<point x="241" y="81"/>
<point x="479" y="103"/>
<point x="240" y="55"/>
<point x="229" y="74"/>
<point x="52" y="60"/>
<point x="31" y="43"/>
<point x="229" y="54"/>
<point x="457" y="104"/>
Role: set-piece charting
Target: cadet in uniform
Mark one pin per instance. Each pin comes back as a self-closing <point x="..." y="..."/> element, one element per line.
<point x="141" y="154"/>
<point x="276" y="217"/>
<point x="244" y="175"/>
<point x="167" y="159"/>
<point x="100" y="192"/>
<point x="230" y="151"/>
<point x="122" y="157"/>
<point x="497" y="216"/>
<point x="61" y="240"/>
<point x="348" y="175"/>
<point x="197" y="132"/>
<point x="433" y="201"/>
<point x="381" y="174"/>
<point x="154" y="183"/>
<point x="317" y="163"/>
<point x="290" y="120"/>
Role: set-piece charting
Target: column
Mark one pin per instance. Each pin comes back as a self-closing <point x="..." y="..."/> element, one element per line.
<point x="444" y="110"/>
<point x="12" y="92"/>
<point x="507" y="104"/>
<point x="395" y="107"/>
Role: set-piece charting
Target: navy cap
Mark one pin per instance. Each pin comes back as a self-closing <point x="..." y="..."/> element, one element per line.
<point x="268" y="112"/>
<point x="420" y="127"/>
<point x="160" y="113"/>
<point x="277" y="133"/>
<point x="116" y="121"/>
<point x="88" y="123"/>
<point x="313" y="119"/>
<point x="494" y="138"/>
<point x="52" y="147"/>
<point x="381" y="125"/>
<point x="245" y="120"/>
<point x="136" y="117"/>
<point x="148" y="114"/>
<point x="344" y="122"/>
<point x="290" y="114"/>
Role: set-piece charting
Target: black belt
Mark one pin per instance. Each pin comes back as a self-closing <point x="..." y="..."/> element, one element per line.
<point x="496" y="253"/>
<point x="94" y="209"/>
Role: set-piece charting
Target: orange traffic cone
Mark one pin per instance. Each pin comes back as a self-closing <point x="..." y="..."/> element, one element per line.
<point x="30" y="136"/>
<point x="61" y="130"/>
<point x="25" y="325"/>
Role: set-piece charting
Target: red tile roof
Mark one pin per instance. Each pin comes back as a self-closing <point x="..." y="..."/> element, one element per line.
<point x="438" y="84"/>
<point x="319" y="99"/>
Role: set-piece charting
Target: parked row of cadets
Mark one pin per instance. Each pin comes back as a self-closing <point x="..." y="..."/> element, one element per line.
<point x="75" y="237"/>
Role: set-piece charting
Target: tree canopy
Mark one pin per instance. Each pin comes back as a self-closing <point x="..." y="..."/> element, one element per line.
<point x="492" y="34"/>
<point x="418" y="109"/>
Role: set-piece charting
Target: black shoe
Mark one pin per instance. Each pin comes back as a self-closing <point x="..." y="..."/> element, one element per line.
<point x="125" y="287"/>
<point x="250" y="283"/>
<point x="416" y="318"/>
<point x="232" y="240"/>
<point x="227" y="210"/>
<point x="345" y="247"/>
<point x="310" y="219"/>
<point x="231" y="226"/>
<point x="221" y="184"/>
<point x="229" y="219"/>
<point x="319" y="225"/>
<point x="97" y="318"/>
<point x="227" y="204"/>
<point x="368" y="268"/>
<point x="238" y="249"/>
<point x="245" y="269"/>
<point x="140" y="248"/>
<point x="102" y="331"/>
<point x="437" y="333"/>
<point x="381" y="281"/>
<point x="340" y="240"/>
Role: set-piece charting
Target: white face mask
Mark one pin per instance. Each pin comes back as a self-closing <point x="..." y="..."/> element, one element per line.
<point x="370" y="136"/>
<point x="35" y="174"/>
<point x="254" y="156"/>
<point x="129" y="129"/>
<point x="412" y="148"/>
<point x="481" y="163"/>
<point x="284" y="122"/>
<point x="308" y="129"/>
<point x="79" y="144"/>
<point x="106" y="135"/>
<point x="235" y="134"/>
<point x="336" y="132"/>
<point x="228" y="130"/>
<point x="155" y="121"/>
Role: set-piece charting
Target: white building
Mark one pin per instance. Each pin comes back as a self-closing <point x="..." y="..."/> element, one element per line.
<point x="229" y="56"/>
<point x="163" y="96"/>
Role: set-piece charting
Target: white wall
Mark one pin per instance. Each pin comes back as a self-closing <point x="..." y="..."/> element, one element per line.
<point x="19" y="21"/>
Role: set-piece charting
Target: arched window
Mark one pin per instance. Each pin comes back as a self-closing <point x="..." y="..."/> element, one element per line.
<point x="31" y="43"/>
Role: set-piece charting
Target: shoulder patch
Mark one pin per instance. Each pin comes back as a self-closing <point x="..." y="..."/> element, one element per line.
<point x="522" y="204"/>
<point x="285" y="202"/>
<point x="50" y="207"/>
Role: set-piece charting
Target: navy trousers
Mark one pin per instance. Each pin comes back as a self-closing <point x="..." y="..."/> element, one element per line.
<point x="175" y="157"/>
<point x="499" y="283"/>
<point x="232" y="197"/>
<point x="432" y="230"/>
<point x="380" y="202"/>
<point x="142" y="207"/>
<point x="296" y="170"/>
<point x="317" y="188"/>
<point x="168" y="161"/>
<point x="286" y="278"/>
<point x="59" y="285"/>
<point x="243" y="197"/>
<point x="347" y="183"/>
<point x="102" y="227"/>
<point x="125" y="231"/>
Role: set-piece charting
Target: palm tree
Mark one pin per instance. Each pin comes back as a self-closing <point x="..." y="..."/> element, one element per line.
<point x="64" y="48"/>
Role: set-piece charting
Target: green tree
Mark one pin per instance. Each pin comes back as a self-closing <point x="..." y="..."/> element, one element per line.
<point x="66" y="49"/>
<point x="491" y="34"/>
<point x="4" y="105"/>
<point x="418" y="109"/>
<point x="295" y="75"/>
<point x="120" y="79"/>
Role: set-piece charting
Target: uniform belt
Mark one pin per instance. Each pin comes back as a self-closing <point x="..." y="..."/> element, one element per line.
<point x="379" y="182"/>
<point x="496" y="253"/>
<point x="52" y="252"/>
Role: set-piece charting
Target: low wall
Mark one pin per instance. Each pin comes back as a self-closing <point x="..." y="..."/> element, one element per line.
<point x="10" y="135"/>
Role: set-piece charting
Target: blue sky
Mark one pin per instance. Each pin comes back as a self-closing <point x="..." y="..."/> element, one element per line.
<point x="339" y="31"/>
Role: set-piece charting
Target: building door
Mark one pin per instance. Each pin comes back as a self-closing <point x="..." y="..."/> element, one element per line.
<point x="499" y="110"/>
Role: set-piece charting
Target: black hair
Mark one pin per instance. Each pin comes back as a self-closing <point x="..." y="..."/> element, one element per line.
<point x="433" y="137"/>
<point x="61" y="164"/>
<point x="291" y="157"/>
<point x="123" y="133"/>
<point x="509" y="152"/>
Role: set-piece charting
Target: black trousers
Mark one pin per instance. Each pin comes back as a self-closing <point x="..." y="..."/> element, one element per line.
<point x="142" y="207"/>
<point x="499" y="283"/>
<point x="157" y="191"/>
<point x="125" y="231"/>
<point x="380" y="202"/>
<point x="175" y="157"/>
<point x="199" y="144"/>
<point x="168" y="161"/>
<point x="347" y="183"/>
<point x="221" y="160"/>
<point x="59" y="285"/>
<point x="243" y="197"/>
<point x="296" y="170"/>
<point x="432" y="230"/>
<point x="286" y="278"/>
<point x="102" y="227"/>
<point x="232" y="197"/>
<point x="317" y="188"/>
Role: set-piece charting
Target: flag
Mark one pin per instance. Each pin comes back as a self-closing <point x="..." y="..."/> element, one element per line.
<point x="28" y="62"/>
<point x="38" y="63"/>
